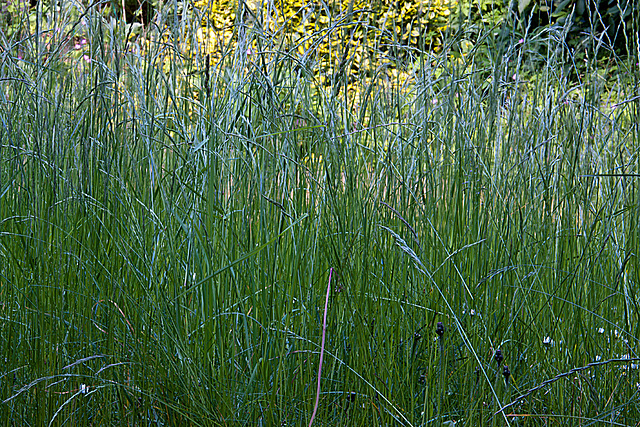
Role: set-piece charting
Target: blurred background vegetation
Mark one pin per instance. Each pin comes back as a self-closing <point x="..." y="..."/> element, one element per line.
<point x="354" y="37"/>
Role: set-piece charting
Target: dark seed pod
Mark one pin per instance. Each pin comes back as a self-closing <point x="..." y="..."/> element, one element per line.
<point x="440" y="329"/>
<point x="506" y="373"/>
<point x="498" y="356"/>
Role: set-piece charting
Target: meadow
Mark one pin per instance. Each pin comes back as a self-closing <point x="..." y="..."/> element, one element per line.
<point x="443" y="237"/>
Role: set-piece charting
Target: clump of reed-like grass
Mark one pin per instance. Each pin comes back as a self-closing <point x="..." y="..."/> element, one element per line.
<point x="168" y="224"/>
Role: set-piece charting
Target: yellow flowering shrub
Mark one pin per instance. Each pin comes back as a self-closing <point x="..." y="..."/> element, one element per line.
<point x="357" y="33"/>
<point x="355" y="49"/>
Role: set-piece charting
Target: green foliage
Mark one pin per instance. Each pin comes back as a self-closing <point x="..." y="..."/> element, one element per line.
<point x="614" y="22"/>
<point x="347" y="36"/>
<point x="168" y="222"/>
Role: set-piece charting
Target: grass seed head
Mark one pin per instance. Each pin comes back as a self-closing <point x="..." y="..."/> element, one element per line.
<point x="506" y="373"/>
<point x="440" y="329"/>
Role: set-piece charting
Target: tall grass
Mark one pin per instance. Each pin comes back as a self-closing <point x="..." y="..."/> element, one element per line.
<point x="168" y="224"/>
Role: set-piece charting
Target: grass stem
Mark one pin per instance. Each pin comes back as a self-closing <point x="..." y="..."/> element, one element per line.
<point x="324" y="331"/>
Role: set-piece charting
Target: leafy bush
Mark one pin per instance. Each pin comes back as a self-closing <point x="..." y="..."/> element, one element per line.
<point x="348" y="36"/>
<point x="612" y="22"/>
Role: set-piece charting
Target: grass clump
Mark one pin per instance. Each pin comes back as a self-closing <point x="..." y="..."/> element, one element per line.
<point x="168" y="224"/>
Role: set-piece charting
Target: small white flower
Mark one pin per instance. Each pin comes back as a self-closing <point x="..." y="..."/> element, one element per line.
<point x="547" y="341"/>
<point x="472" y="312"/>
<point x="601" y="330"/>
<point x="598" y="358"/>
<point x="84" y="389"/>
